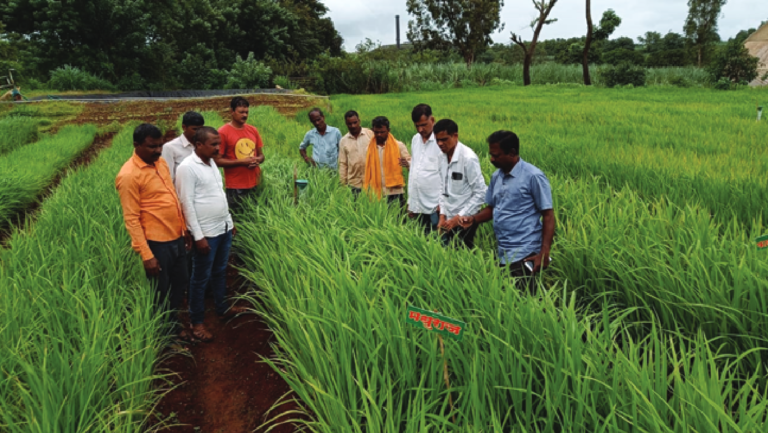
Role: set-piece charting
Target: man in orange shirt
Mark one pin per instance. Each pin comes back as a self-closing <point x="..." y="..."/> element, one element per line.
<point x="155" y="221"/>
<point x="240" y="154"/>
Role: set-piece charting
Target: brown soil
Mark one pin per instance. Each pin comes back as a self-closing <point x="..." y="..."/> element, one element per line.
<point x="26" y="216"/>
<point x="223" y="387"/>
<point x="168" y="112"/>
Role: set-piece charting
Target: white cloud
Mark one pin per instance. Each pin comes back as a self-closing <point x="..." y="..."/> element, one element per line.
<point x="357" y="20"/>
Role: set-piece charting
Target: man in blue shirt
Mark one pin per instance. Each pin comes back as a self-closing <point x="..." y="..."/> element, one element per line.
<point x="324" y="140"/>
<point x="519" y="201"/>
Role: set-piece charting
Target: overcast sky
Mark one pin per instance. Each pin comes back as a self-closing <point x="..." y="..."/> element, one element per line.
<point x="358" y="19"/>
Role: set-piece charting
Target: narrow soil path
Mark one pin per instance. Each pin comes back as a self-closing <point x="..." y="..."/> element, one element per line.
<point x="168" y="111"/>
<point x="26" y="215"/>
<point x="223" y="387"/>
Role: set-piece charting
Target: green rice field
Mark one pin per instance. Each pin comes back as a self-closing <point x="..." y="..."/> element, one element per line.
<point x="652" y="318"/>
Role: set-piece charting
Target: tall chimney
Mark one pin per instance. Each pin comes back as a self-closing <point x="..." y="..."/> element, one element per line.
<point x="397" y="30"/>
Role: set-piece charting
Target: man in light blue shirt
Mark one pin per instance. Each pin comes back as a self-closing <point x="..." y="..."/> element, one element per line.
<point x="324" y="140"/>
<point x="519" y="201"/>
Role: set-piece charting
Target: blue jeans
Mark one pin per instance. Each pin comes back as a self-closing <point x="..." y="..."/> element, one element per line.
<point x="210" y="267"/>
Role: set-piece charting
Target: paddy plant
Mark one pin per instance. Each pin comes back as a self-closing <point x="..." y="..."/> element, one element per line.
<point x="26" y="171"/>
<point x="697" y="147"/>
<point x="16" y="132"/>
<point x="79" y="336"/>
<point x="335" y="275"/>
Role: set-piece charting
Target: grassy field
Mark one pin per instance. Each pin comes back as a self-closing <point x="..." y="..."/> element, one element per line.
<point x="652" y="319"/>
<point x="27" y="170"/>
<point x="79" y="337"/>
<point x="653" y="316"/>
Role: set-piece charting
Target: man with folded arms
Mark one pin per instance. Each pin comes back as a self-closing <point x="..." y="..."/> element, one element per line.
<point x="240" y="155"/>
<point x="384" y="162"/>
<point x="201" y="192"/>
<point x="424" y="181"/>
<point x="155" y="221"/>
<point x="464" y="186"/>
<point x="352" y="151"/>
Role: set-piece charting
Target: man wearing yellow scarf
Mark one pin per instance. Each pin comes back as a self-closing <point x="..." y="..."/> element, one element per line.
<point x="384" y="163"/>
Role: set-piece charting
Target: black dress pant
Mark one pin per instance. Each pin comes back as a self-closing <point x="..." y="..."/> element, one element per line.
<point x="172" y="283"/>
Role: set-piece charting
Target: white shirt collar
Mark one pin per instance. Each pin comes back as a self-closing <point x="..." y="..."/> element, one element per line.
<point x="457" y="153"/>
<point x="184" y="141"/>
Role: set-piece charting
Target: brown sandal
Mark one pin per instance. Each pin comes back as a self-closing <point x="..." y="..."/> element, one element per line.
<point x="187" y="336"/>
<point x="201" y="333"/>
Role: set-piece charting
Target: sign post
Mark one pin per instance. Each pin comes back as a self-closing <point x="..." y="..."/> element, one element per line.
<point x="435" y="322"/>
<point x="441" y="325"/>
<point x="295" y="187"/>
<point x="762" y="242"/>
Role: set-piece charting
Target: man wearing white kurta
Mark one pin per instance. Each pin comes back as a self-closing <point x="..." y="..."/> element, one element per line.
<point x="201" y="192"/>
<point x="464" y="186"/>
<point x="424" y="181"/>
<point x="178" y="149"/>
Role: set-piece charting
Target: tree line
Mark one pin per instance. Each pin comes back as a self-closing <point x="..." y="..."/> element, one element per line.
<point x="211" y="44"/>
<point x="161" y="44"/>
<point x="466" y="26"/>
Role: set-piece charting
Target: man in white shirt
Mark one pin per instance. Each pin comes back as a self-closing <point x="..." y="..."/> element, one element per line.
<point x="181" y="147"/>
<point x="424" y="182"/>
<point x="201" y="192"/>
<point x="464" y="186"/>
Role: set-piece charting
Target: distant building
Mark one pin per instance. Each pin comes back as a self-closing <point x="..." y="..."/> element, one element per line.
<point x="757" y="44"/>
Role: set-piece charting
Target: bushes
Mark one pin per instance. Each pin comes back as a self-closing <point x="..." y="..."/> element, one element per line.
<point x="283" y="81"/>
<point x="734" y="63"/>
<point x="248" y="74"/>
<point x="623" y="75"/>
<point x="623" y="55"/>
<point x="70" y="77"/>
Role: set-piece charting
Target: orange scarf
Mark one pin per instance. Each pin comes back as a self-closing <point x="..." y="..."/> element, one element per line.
<point x="393" y="173"/>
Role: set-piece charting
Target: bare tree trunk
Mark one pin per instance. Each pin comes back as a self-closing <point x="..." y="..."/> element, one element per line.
<point x="587" y="43"/>
<point x="527" y="68"/>
<point x="699" y="50"/>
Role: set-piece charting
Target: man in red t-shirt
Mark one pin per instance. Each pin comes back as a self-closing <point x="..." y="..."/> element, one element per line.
<point x="240" y="154"/>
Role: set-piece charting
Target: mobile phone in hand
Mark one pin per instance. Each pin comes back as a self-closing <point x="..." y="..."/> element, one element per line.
<point x="529" y="264"/>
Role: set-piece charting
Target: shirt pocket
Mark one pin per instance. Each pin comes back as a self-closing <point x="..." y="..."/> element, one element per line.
<point x="508" y="195"/>
<point x="430" y="165"/>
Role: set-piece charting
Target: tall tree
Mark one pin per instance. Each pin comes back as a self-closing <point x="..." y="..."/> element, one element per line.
<point x="465" y="25"/>
<point x="587" y="44"/>
<point x="545" y="8"/>
<point x="608" y="24"/>
<point x="701" y="24"/>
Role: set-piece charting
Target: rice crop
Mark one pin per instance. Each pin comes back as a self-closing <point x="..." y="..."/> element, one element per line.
<point x="78" y="332"/>
<point x="336" y="275"/>
<point x="652" y="317"/>
<point x="690" y="146"/>
<point x="26" y="171"/>
<point x="16" y="132"/>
